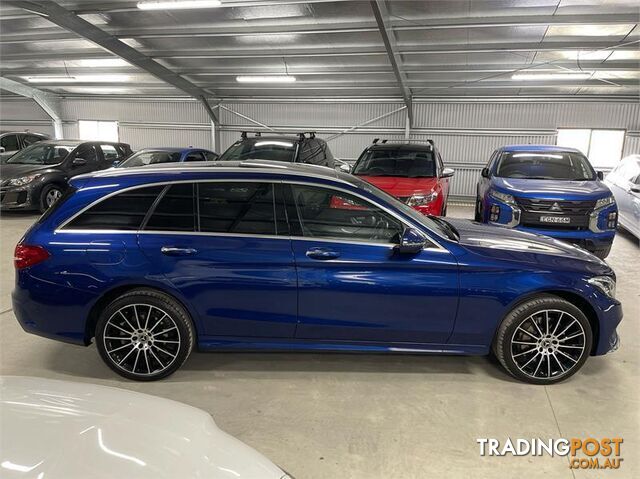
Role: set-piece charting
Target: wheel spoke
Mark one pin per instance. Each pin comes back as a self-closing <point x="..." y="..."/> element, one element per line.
<point x="567" y="356"/>
<point x="146" y="321"/>
<point x="165" y="331"/>
<point x="127" y="321"/>
<point x="524" y="342"/>
<point x="548" y="365"/>
<point x="135" y="363"/>
<point x="165" y="341"/>
<point x="135" y="313"/>
<point x="126" y="356"/>
<point x="532" y="320"/>
<point x="559" y="363"/>
<point x="527" y="332"/>
<point x="121" y="329"/>
<point x="118" y="338"/>
<point x="156" y="358"/>
<point x="146" y="360"/>
<point x="570" y="347"/>
<point x="565" y="329"/>
<point x="538" y="366"/>
<point x="557" y="324"/>
<point x="119" y="348"/>
<point x="164" y="351"/>
<point x="530" y="360"/>
<point x="571" y="337"/>
<point x="158" y="322"/>
<point x="524" y="352"/>
<point x="546" y="319"/>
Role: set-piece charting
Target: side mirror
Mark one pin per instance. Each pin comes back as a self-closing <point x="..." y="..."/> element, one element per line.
<point x="447" y="173"/>
<point x="485" y="172"/>
<point x="600" y="175"/>
<point x="79" y="162"/>
<point x="412" y="241"/>
<point x="635" y="188"/>
<point x="116" y="162"/>
<point x="2" y="149"/>
<point x="342" y="166"/>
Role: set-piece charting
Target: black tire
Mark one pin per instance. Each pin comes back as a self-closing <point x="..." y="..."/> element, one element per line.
<point x="603" y="252"/>
<point x="149" y="324"/>
<point x="478" y="212"/>
<point x="46" y="196"/>
<point x="557" y="354"/>
<point x="444" y="210"/>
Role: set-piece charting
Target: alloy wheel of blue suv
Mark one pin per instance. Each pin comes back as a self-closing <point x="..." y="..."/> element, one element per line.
<point x="152" y="262"/>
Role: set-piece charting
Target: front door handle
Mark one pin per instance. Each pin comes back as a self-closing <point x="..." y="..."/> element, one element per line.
<point x="175" y="251"/>
<point x="322" y="254"/>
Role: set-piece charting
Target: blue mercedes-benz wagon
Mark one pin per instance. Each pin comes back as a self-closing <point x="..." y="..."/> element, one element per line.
<point x="153" y="262"/>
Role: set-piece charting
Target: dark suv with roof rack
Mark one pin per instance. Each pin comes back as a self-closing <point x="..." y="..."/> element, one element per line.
<point x="301" y="148"/>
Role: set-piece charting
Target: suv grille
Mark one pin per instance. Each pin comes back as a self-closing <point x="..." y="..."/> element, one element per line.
<point x="577" y="211"/>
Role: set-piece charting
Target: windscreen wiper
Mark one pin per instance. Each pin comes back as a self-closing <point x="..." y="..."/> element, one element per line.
<point x="452" y="232"/>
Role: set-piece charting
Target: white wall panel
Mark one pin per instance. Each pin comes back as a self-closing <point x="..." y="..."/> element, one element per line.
<point x="21" y="114"/>
<point x="142" y="137"/>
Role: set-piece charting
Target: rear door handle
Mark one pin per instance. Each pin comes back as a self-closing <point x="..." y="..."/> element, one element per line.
<point x="322" y="254"/>
<point x="175" y="251"/>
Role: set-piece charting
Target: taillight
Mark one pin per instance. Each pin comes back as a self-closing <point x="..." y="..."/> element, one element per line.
<point x="27" y="255"/>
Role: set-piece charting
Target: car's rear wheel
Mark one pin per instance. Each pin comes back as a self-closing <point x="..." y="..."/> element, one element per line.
<point x="543" y="340"/>
<point x="49" y="196"/>
<point x="602" y="253"/>
<point x="144" y="335"/>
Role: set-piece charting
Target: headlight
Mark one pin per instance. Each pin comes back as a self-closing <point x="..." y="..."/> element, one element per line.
<point x="602" y="202"/>
<point x="505" y="198"/>
<point x="606" y="284"/>
<point x="419" y="200"/>
<point x="23" y="180"/>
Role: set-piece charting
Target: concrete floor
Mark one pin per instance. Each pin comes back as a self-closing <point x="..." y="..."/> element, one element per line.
<point x="377" y="416"/>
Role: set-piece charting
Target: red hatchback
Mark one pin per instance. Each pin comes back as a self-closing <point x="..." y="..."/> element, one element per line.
<point x="411" y="172"/>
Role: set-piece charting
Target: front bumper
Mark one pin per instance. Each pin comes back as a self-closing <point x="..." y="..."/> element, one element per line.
<point x="584" y="238"/>
<point x="18" y="198"/>
<point x="610" y="314"/>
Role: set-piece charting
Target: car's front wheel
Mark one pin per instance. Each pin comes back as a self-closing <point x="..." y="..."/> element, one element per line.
<point x="543" y="340"/>
<point x="49" y="196"/>
<point x="478" y="211"/>
<point x="144" y="335"/>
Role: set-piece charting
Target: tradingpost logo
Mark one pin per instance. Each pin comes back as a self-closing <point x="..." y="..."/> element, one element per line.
<point x="583" y="453"/>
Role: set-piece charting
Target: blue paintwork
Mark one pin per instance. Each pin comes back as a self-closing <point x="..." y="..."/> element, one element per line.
<point x="550" y="190"/>
<point x="246" y="292"/>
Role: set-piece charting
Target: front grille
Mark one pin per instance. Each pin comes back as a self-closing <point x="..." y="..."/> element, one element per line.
<point x="580" y="207"/>
<point x="577" y="211"/>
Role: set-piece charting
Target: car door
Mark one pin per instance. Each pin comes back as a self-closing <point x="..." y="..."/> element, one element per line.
<point x="9" y="145"/>
<point x="224" y="245"/>
<point x="86" y="152"/>
<point x="353" y="285"/>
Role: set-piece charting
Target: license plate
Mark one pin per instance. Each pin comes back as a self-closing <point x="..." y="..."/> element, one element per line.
<point x="555" y="219"/>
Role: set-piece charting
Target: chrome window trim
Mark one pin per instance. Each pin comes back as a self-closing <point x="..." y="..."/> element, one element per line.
<point x="436" y="246"/>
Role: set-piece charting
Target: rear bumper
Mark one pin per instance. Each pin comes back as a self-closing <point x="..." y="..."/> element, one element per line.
<point x="55" y="312"/>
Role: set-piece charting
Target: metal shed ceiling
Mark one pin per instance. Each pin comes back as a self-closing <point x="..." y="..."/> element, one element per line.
<point x="335" y="48"/>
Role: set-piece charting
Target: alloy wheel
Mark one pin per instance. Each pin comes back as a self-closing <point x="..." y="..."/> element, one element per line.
<point x="548" y="344"/>
<point x="52" y="196"/>
<point x="141" y="339"/>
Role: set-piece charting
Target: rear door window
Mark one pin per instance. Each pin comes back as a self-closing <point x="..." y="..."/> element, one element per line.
<point x="175" y="211"/>
<point x="194" y="156"/>
<point x="124" y="211"/>
<point x="239" y="207"/>
<point x="9" y="143"/>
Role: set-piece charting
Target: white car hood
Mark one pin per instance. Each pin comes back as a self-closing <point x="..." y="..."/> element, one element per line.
<point x="59" y="429"/>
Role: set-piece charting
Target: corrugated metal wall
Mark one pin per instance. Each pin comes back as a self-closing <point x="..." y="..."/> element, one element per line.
<point x="465" y="130"/>
<point x="21" y="114"/>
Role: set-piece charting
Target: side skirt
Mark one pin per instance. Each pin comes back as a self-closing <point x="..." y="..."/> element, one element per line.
<point x="277" y="344"/>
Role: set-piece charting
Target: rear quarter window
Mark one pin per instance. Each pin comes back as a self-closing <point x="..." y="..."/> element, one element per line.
<point x="123" y="211"/>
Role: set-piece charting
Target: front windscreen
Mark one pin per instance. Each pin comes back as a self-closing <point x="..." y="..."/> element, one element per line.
<point x="557" y="165"/>
<point x="42" y="154"/>
<point x="144" y="158"/>
<point x="397" y="162"/>
<point x="276" y="150"/>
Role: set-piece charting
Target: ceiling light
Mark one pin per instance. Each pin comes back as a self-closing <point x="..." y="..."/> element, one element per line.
<point x="585" y="54"/>
<point x="79" y="79"/>
<point x="178" y="4"/>
<point x="266" y="79"/>
<point x="103" y="62"/>
<point x="588" y="30"/>
<point x="551" y="76"/>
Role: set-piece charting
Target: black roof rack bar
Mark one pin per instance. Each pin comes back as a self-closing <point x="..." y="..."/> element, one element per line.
<point x="375" y="140"/>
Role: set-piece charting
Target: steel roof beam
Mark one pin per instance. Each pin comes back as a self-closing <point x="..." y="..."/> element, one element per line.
<point x="73" y="23"/>
<point x="381" y="15"/>
<point x="49" y="102"/>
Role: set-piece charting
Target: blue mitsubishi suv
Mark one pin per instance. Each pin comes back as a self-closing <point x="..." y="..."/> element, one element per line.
<point x="549" y="190"/>
<point x="152" y="262"/>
